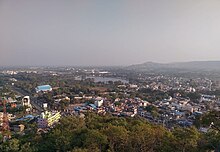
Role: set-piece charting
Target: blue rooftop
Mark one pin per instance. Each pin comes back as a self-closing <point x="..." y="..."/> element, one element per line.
<point x="44" y="88"/>
<point x="26" y="118"/>
<point x="92" y="105"/>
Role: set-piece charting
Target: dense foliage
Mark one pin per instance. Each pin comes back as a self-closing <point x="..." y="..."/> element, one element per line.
<point x="112" y="134"/>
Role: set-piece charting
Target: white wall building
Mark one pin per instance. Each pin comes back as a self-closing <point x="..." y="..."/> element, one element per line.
<point x="98" y="103"/>
<point x="27" y="103"/>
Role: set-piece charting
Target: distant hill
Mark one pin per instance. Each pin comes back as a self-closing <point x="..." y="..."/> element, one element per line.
<point x="194" y="65"/>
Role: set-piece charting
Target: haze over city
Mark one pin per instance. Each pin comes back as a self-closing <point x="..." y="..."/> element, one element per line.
<point x="109" y="76"/>
<point x="101" y="32"/>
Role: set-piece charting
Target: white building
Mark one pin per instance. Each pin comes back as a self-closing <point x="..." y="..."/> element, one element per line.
<point x="27" y="103"/>
<point x="99" y="103"/>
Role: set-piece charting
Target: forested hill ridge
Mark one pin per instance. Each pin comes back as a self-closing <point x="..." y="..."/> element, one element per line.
<point x="194" y="65"/>
<point x="94" y="133"/>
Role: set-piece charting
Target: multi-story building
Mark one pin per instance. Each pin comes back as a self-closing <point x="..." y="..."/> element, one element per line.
<point x="48" y="119"/>
<point x="27" y="103"/>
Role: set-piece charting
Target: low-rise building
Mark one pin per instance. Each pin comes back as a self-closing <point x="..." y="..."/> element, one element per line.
<point x="99" y="103"/>
<point x="43" y="88"/>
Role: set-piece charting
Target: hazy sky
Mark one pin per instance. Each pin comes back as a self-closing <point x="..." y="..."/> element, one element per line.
<point x="108" y="32"/>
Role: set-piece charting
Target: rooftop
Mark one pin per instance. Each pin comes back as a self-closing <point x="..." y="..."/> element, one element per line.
<point x="43" y="88"/>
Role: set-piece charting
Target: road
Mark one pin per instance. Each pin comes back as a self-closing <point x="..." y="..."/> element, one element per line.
<point x="25" y="93"/>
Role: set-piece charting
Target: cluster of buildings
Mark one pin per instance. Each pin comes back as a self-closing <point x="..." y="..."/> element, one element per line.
<point x="175" y="110"/>
<point x="118" y="107"/>
<point x="15" y="72"/>
<point x="165" y="83"/>
<point x="169" y="112"/>
<point x="45" y="120"/>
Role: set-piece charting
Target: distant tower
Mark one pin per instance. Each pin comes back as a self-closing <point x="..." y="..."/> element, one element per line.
<point x="5" y="130"/>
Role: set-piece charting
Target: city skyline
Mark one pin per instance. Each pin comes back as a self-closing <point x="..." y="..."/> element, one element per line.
<point x="53" y="32"/>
